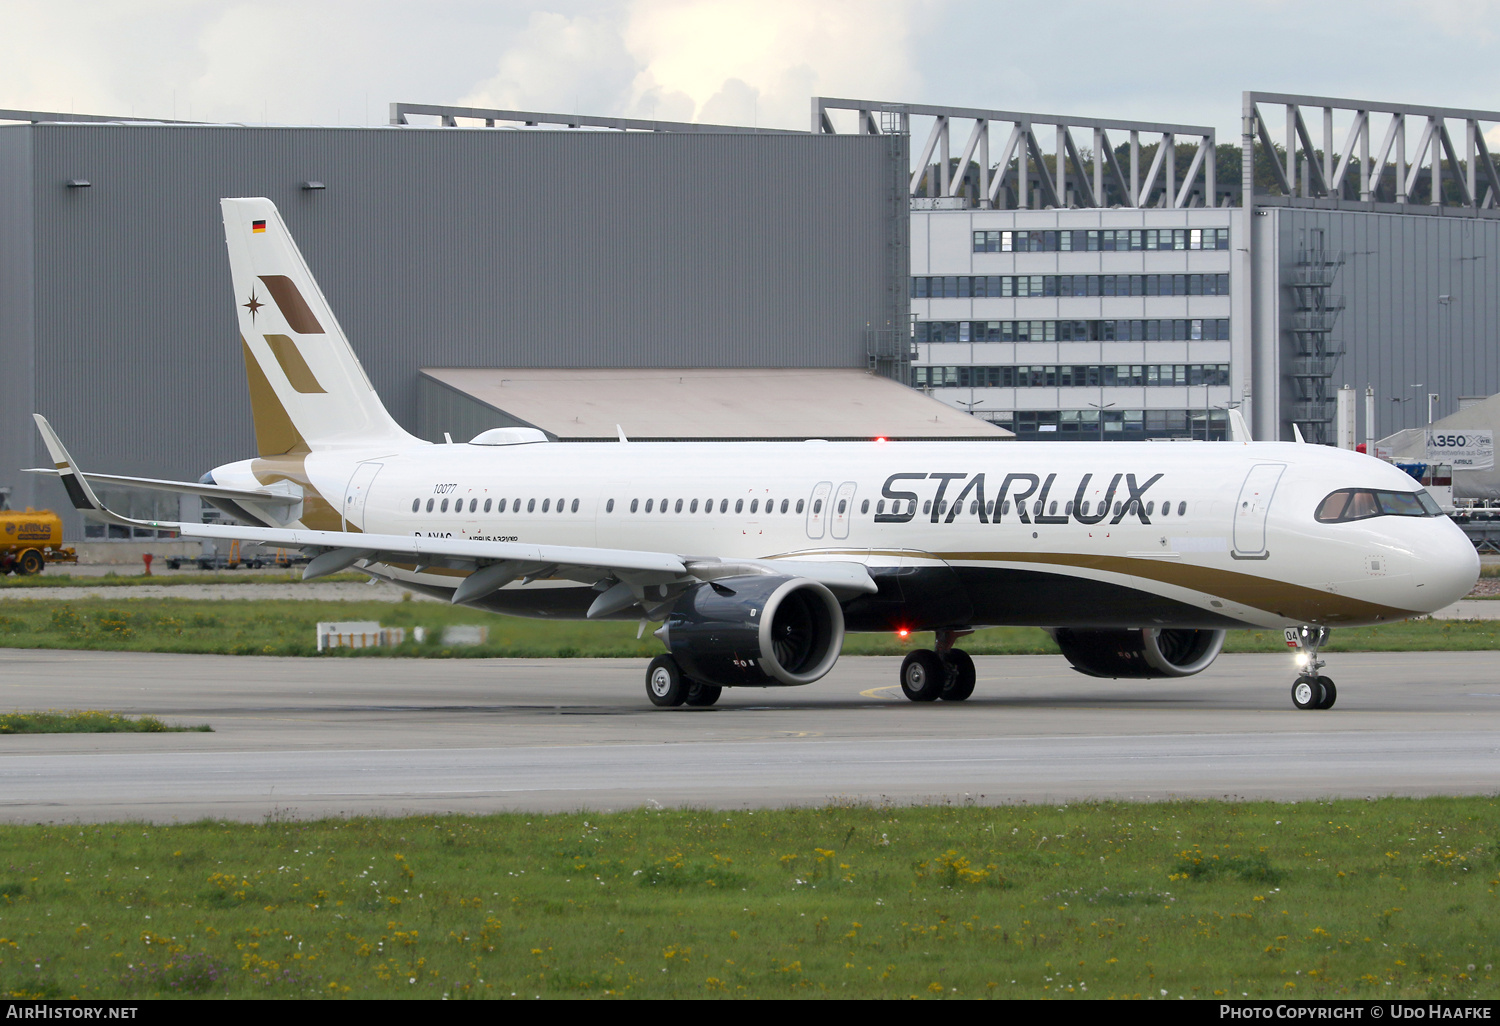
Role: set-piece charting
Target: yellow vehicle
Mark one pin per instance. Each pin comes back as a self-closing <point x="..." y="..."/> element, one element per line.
<point x="31" y="540"/>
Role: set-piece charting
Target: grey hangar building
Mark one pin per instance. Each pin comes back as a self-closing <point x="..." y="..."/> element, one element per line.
<point x="902" y="270"/>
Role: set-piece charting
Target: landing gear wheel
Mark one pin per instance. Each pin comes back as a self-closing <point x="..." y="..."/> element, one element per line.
<point x="665" y="684"/>
<point x="923" y="676"/>
<point x="1330" y="693"/>
<point x="30" y="563"/>
<point x="962" y="676"/>
<point x="1307" y="693"/>
<point x="702" y="695"/>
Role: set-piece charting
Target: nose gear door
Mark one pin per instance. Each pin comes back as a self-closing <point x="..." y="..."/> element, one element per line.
<point x="1251" y="509"/>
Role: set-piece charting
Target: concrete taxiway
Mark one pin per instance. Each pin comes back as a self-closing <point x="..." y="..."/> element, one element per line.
<point x="333" y="736"/>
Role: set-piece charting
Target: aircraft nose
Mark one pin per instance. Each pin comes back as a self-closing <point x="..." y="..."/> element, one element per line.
<point x="1447" y="567"/>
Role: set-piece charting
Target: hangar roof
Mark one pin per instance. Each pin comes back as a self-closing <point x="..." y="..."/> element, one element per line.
<point x="711" y="403"/>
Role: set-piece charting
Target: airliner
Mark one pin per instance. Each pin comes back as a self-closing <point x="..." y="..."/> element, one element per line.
<point x="756" y="558"/>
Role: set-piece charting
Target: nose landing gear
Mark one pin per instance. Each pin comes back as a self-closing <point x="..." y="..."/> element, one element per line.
<point x="1310" y="690"/>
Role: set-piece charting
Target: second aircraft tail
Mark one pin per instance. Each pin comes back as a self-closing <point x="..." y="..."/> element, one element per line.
<point x="307" y="388"/>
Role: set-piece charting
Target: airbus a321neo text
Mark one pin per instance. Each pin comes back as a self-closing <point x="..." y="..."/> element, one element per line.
<point x="755" y="558"/>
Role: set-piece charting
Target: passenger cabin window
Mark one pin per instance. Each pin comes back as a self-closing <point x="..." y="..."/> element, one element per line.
<point x="648" y="505"/>
<point x="444" y="507"/>
<point x="500" y="508"/>
<point x="487" y="504"/>
<point x="679" y="505"/>
<point x="609" y="507"/>
<point x="724" y="506"/>
<point x="429" y="505"/>
<point x="574" y="507"/>
<point x="739" y="505"/>
<point x="1360" y="504"/>
<point x="818" y="506"/>
<point x="799" y="506"/>
<point x="864" y="507"/>
<point x="531" y="505"/>
<point x="416" y="504"/>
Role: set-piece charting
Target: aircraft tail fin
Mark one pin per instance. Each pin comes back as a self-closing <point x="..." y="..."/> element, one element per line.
<point x="307" y="388"/>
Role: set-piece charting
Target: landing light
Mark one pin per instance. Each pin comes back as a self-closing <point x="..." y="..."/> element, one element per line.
<point x="1300" y="659"/>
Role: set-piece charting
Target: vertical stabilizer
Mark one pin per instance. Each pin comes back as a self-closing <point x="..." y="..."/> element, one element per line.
<point x="307" y="388"/>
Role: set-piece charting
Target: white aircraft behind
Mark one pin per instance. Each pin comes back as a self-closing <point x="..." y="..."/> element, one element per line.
<point x="757" y="557"/>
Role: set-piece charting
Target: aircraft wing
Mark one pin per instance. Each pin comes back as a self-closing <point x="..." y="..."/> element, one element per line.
<point x="275" y="496"/>
<point x="492" y="564"/>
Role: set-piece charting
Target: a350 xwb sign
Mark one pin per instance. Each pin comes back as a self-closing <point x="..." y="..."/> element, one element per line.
<point x="1462" y="449"/>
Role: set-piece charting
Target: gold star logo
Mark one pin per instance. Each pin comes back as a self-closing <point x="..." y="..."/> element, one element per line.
<point x="253" y="305"/>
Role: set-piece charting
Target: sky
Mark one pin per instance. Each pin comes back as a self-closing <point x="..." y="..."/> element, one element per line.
<point x="742" y="62"/>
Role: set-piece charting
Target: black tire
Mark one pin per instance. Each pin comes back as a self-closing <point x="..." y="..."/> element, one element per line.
<point x="665" y="684"/>
<point x="30" y="563"/>
<point x="962" y="676"/>
<point x="702" y="695"/>
<point x="1307" y="692"/>
<point x="923" y="676"/>
<point x="1330" y="693"/>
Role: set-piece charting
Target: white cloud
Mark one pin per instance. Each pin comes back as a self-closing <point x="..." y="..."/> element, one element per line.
<point x="576" y="64"/>
<point x="732" y="61"/>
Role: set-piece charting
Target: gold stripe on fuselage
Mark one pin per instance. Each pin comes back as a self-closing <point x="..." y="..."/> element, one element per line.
<point x="1289" y="601"/>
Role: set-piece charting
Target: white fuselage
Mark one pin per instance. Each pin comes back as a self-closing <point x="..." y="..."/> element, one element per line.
<point x="1223" y="532"/>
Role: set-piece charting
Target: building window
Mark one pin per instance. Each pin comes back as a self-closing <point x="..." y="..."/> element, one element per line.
<point x="1007" y="286"/>
<point x="937" y="332"/>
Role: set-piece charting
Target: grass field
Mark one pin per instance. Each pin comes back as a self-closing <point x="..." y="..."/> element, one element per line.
<point x="1384" y="899"/>
<point x="131" y="580"/>
<point x="85" y="721"/>
<point x="286" y="627"/>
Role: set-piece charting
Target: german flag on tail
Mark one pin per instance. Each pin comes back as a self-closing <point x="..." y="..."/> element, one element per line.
<point x="257" y="227"/>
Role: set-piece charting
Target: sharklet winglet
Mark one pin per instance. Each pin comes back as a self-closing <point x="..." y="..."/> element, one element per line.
<point x="79" y="490"/>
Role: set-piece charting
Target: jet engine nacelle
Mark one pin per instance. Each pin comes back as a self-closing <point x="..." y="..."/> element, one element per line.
<point x="1145" y="652"/>
<point x="755" y="630"/>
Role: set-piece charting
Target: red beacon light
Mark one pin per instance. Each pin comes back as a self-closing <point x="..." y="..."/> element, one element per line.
<point x="902" y="632"/>
<point x="881" y="438"/>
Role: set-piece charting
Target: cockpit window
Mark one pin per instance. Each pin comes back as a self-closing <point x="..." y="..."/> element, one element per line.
<point x="1359" y="503"/>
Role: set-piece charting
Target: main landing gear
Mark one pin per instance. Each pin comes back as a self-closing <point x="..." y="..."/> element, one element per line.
<point x="666" y="686"/>
<point x="947" y="673"/>
<point x="1310" y="690"/>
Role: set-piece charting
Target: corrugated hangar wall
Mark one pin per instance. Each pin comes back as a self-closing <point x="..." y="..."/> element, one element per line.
<point x="1422" y="297"/>
<point x="436" y="247"/>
